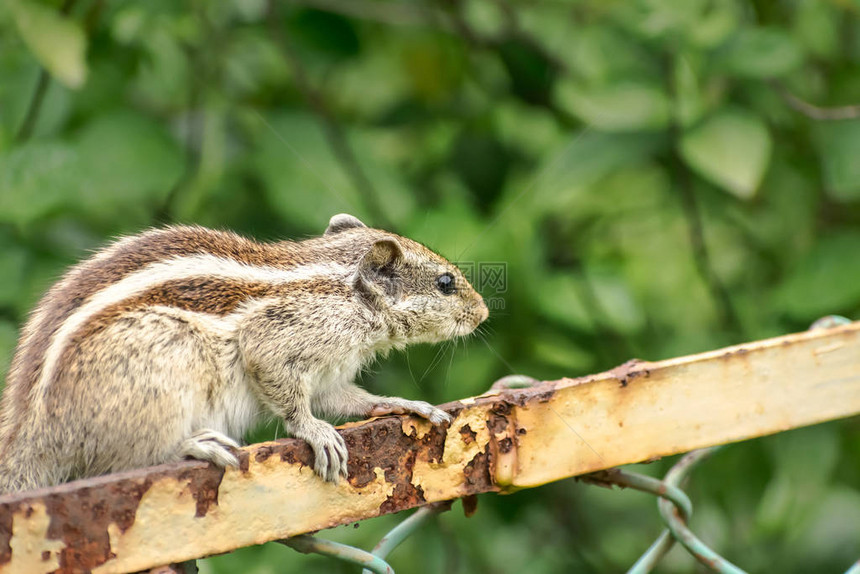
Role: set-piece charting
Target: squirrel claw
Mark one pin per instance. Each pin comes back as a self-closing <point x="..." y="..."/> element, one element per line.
<point x="211" y="445"/>
<point x="330" y="453"/>
<point x="438" y="417"/>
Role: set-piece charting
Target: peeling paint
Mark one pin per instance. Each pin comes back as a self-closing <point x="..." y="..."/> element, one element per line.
<point x="828" y="349"/>
<point x="467" y="433"/>
<point x="503" y="446"/>
<point x="31" y="547"/>
<point x="514" y="439"/>
<point x="204" y="488"/>
<point x="272" y="500"/>
<point x="415" y="426"/>
<point x="458" y="454"/>
<point x="630" y="370"/>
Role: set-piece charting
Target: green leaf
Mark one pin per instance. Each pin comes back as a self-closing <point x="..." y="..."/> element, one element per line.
<point x="817" y="26"/>
<point x="689" y="103"/>
<point x="618" y="308"/>
<point x="36" y="179"/>
<point x="562" y="354"/>
<point x="56" y="41"/>
<point x="128" y="160"/>
<point x="625" y="106"/>
<point x="731" y="149"/>
<point x="13" y="262"/>
<point x="302" y="180"/>
<point x="715" y="22"/>
<point x="326" y="33"/>
<point x="763" y="53"/>
<point x="588" y="156"/>
<point x="566" y="305"/>
<point x="379" y="153"/>
<point x="532" y="74"/>
<point x="119" y="164"/>
<point x="826" y="280"/>
<point x="600" y="53"/>
<point x="837" y="144"/>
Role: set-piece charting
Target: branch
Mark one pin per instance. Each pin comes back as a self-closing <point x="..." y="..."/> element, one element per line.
<point x="683" y="181"/>
<point x="512" y="31"/>
<point x="335" y="135"/>
<point x="35" y="107"/>
<point x="816" y="112"/>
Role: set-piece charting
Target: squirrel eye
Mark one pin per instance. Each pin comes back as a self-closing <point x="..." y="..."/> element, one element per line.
<point x="445" y="283"/>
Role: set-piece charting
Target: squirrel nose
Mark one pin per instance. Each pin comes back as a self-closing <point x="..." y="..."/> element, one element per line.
<point x="483" y="311"/>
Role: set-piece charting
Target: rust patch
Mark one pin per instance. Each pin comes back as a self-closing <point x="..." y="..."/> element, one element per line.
<point x="290" y="450"/>
<point x="244" y="461"/>
<point x="476" y="475"/>
<point x="81" y="512"/>
<point x="383" y="444"/>
<point x="204" y="487"/>
<point x="470" y="505"/>
<point x="506" y="445"/>
<point x="498" y="422"/>
<point x="263" y="453"/>
<point x="405" y="493"/>
<point x="368" y="448"/>
<point x="172" y="569"/>
<point x="6" y="536"/>
<point x="80" y="519"/>
<point x="296" y="451"/>
<point x="501" y="408"/>
<point x="540" y="392"/>
<point x="628" y="371"/>
<point x="435" y="444"/>
<point x="603" y="478"/>
<point x="468" y="434"/>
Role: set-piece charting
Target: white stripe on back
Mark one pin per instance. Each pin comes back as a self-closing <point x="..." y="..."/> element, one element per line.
<point x="179" y="268"/>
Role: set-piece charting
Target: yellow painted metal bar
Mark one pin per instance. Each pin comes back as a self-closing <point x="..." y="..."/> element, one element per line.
<point x="501" y="441"/>
<point x="645" y="410"/>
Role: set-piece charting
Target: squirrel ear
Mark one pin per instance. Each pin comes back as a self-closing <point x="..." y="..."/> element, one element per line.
<point x="342" y="221"/>
<point x="375" y="269"/>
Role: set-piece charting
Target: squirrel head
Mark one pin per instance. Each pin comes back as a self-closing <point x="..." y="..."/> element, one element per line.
<point x="422" y="297"/>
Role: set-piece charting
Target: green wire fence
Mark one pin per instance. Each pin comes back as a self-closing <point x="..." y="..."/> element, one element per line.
<point x="674" y="506"/>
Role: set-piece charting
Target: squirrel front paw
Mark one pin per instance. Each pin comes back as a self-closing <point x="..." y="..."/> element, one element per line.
<point x="403" y="406"/>
<point x="330" y="454"/>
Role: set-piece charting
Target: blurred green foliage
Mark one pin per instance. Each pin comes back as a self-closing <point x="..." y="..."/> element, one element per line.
<point x="653" y="173"/>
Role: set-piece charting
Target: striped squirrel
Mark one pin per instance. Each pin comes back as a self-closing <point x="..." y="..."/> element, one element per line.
<point x="172" y="343"/>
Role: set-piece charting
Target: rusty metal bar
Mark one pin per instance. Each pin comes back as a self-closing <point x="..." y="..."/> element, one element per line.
<point x="502" y="441"/>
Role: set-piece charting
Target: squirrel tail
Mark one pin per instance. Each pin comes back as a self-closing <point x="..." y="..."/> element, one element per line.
<point x="20" y="471"/>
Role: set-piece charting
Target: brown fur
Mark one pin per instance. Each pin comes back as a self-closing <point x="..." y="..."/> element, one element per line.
<point x="283" y="336"/>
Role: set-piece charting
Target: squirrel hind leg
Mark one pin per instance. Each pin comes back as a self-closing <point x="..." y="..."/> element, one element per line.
<point x="210" y="445"/>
